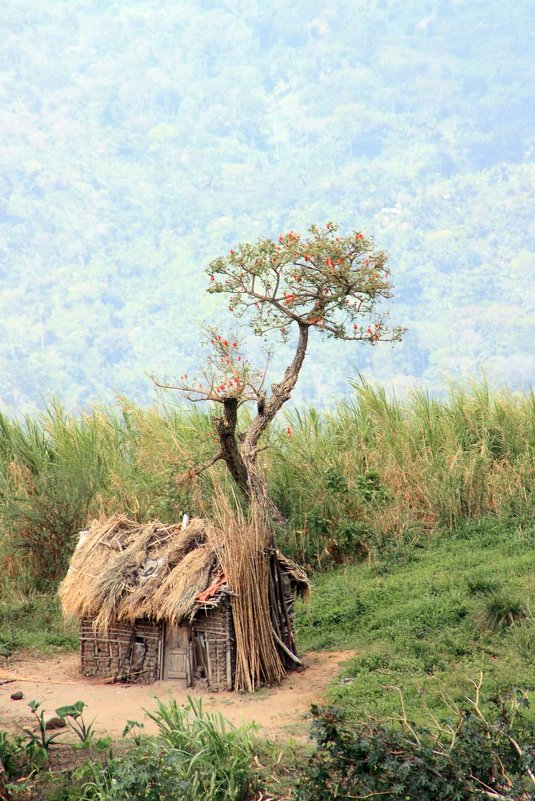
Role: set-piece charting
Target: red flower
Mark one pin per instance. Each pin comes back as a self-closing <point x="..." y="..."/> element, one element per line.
<point x="212" y="278"/>
<point x="289" y="431"/>
<point x="234" y="344"/>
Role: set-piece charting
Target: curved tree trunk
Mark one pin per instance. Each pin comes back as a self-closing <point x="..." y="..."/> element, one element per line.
<point x="240" y="453"/>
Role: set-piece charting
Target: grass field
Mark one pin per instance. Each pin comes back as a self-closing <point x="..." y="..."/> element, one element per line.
<point x="429" y="619"/>
<point x="34" y="621"/>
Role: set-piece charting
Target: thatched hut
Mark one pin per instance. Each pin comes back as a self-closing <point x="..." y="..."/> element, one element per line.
<point x="154" y="603"/>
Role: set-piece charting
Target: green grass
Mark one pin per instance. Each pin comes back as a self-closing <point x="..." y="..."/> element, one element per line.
<point x="352" y="481"/>
<point x="34" y="621"/>
<point x="429" y="620"/>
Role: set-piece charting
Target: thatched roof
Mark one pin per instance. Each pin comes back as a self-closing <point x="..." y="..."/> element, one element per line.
<point x="122" y="571"/>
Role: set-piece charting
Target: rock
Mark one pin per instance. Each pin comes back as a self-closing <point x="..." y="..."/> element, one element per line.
<point x="54" y="723"/>
<point x="17" y="696"/>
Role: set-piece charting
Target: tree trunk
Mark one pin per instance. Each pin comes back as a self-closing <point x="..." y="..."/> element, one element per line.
<point x="230" y="452"/>
<point x="241" y="457"/>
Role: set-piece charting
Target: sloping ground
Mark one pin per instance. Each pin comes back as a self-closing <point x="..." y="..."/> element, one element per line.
<point x="428" y="619"/>
<point x="279" y="712"/>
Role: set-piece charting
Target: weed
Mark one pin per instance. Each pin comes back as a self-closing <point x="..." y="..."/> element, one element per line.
<point x="481" y="584"/>
<point x="523" y="638"/>
<point x="196" y="756"/>
<point x="40" y="737"/>
<point x="73" y="715"/>
<point x="499" y="612"/>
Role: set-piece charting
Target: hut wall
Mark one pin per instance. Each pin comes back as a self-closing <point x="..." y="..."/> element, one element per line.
<point x="126" y="652"/>
<point x="214" y="647"/>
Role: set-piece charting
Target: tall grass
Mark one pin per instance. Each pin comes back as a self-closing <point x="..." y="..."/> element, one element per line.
<point x="378" y="470"/>
<point x="374" y="474"/>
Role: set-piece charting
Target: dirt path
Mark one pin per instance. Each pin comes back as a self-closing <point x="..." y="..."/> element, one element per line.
<point x="278" y="712"/>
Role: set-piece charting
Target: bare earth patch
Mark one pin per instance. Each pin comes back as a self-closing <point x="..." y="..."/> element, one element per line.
<point x="278" y="712"/>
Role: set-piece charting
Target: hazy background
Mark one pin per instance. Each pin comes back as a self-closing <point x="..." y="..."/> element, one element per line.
<point x="139" y="139"/>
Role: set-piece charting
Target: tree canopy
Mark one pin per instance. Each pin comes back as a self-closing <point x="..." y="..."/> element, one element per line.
<point x="325" y="282"/>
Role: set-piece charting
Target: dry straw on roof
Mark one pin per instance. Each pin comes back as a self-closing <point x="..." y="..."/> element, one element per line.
<point x="122" y="571"/>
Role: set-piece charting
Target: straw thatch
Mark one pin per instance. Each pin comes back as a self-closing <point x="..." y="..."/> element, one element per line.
<point x="123" y="571"/>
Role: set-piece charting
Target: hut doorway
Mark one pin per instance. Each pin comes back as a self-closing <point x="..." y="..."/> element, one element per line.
<point x="176" y="653"/>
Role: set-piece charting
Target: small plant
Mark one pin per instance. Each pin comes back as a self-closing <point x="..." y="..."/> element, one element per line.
<point x="371" y="488"/>
<point x="524" y="639"/>
<point x="10" y="747"/>
<point x="73" y="716"/>
<point x="480" y="584"/>
<point x="500" y="612"/>
<point x="40" y="736"/>
<point x="135" y="729"/>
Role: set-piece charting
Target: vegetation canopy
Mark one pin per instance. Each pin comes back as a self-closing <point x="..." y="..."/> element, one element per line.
<point x="323" y="282"/>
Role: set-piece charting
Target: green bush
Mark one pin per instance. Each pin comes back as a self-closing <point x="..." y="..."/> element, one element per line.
<point x="469" y="758"/>
<point x="499" y="612"/>
<point x="196" y="756"/>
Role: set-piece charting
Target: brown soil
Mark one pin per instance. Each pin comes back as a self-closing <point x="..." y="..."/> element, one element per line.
<point x="278" y="712"/>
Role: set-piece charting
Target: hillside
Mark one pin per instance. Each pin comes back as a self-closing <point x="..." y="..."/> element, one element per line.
<point x="428" y="620"/>
<point x="415" y="520"/>
<point x="141" y="140"/>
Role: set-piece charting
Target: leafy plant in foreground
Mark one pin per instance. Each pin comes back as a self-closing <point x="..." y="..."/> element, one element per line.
<point x="196" y="756"/>
<point x="472" y="757"/>
<point x="75" y="721"/>
<point x="40" y="736"/>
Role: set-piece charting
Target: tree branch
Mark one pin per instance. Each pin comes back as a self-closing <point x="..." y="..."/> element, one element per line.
<point x="280" y="393"/>
<point x="196" y="471"/>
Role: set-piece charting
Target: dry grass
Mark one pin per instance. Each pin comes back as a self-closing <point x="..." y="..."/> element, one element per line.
<point x="123" y="570"/>
<point x="244" y="554"/>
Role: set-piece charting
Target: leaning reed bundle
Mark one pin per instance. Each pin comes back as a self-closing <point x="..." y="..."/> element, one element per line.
<point x="243" y="547"/>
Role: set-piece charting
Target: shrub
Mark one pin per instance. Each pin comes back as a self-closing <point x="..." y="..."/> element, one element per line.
<point x="500" y="612"/>
<point x="196" y="756"/>
<point x="472" y="757"/>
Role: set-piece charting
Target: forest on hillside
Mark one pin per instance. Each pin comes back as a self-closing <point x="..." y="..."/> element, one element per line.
<point x="142" y="139"/>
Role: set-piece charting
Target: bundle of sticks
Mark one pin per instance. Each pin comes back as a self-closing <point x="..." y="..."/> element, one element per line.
<point x="245" y="548"/>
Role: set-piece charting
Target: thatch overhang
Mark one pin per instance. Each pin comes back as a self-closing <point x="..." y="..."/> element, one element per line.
<point x="123" y="571"/>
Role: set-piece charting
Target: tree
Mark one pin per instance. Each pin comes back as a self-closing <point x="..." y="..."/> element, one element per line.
<point x="325" y="283"/>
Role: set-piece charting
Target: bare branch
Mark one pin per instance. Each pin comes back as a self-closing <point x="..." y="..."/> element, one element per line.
<point x="196" y="471"/>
